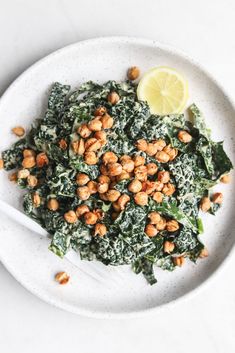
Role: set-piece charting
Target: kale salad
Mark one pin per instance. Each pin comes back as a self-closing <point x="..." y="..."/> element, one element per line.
<point x="116" y="183"/>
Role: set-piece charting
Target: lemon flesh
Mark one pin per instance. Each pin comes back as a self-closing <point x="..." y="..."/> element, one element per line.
<point x="164" y="89"/>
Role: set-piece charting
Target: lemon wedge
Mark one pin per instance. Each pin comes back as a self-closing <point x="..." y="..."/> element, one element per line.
<point x="164" y="89"/>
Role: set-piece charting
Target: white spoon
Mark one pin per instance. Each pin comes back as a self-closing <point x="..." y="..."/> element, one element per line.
<point x="95" y="271"/>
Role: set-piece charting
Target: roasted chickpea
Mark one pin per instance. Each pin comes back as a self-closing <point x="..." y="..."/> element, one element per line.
<point x="82" y="179"/>
<point x="18" y="131"/>
<point x="184" y="136"/>
<point x="128" y="165"/>
<point x="225" y="179"/>
<point x="100" y="111"/>
<point x="159" y="144"/>
<point x="109" y="157"/>
<point x="151" y="230"/>
<point x="62" y="278"/>
<point x="70" y="217"/>
<point x="168" y="189"/>
<point x="151" y="149"/>
<point x="158" y="186"/>
<point x="133" y="73"/>
<point x="179" y="261"/>
<point x="101" y="137"/>
<point x="158" y="196"/>
<point x="141" y="198"/>
<point x="152" y="168"/>
<point x="90" y="142"/>
<point x="53" y="205"/>
<point x="104" y="170"/>
<point x="204" y="253"/>
<point x="114" y="169"/>
<point x="172" y="152"/>
<point x="148" y="186"/>
<point x="154" y="217"/>
<point x="141" y="173"/>
<point x="141" y="145"/>
<point x="95" y="125"/>
<point x="172" y="226"/>
<point x="135" y="186"/>
<point x="107" y="121"/>
<point x="63" y="144"/>
<point x="83" y="192"/>
<point x="205" y="204"/>
<point x="32" y="181"/>
<point x="123" y="176"/>
<point x="90" y="158"/>
<point x="78" y="147"/>
<point x="36" y="199"/>
<point x="90" y="218"/>
<point x="29" y="153"/>
<point x="102" y="187"/>
<point x="23" y="174"/>
<point x="95" y="146"/>
<point x="100" y="229"/>
<point x="116" y="206"/>
<point x="162" y="157"/>
<point x="92" y="186"/>
<point x="113" y="98"/>
<point x="81" y="210"/>
<point x="168" y="246"/>
<point x="122" y="201"/>
<point x="217" y="198"/>
<point x="104" y="179"/>
<point x="161" y="225"/>
<point x="112" y="195"/>
<point x="28" y="162"/>
<point x="138" y="160"/>
<point x="84" y="131"/>
<point x="163" y="176"/>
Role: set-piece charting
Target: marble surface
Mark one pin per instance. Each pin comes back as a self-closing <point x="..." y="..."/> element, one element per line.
<point x="205" y="30"/>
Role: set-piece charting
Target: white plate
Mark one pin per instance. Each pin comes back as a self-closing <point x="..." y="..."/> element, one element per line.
<point x="26" y="256"/>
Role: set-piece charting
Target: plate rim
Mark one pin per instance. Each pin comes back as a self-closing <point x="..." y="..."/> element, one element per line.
<point x="141" y="312"/>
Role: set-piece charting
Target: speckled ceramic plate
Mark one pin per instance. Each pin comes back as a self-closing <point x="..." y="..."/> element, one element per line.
<point x="26" y="255"/>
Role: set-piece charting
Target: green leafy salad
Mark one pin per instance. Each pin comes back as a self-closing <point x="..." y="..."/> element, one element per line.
<point x="116" y="183"/>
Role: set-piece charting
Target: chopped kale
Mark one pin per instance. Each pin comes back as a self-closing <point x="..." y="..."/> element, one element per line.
<point x="78" y="164"/>
<point x="221" y="161"/>
<point x="146" y="268"/>
<point x="199" y="121"/>
<point x="186" y="241"/>
<point x="61" y="181"/>
<point x="12" y="157"/>
<point x="60" y="243"/>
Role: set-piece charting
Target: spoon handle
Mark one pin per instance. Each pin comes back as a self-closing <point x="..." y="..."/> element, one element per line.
<point x="21" y="218"/>
<point x="89" y="270"/>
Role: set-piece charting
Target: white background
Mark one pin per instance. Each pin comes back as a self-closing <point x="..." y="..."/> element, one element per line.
<point x="31" y="29"/>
